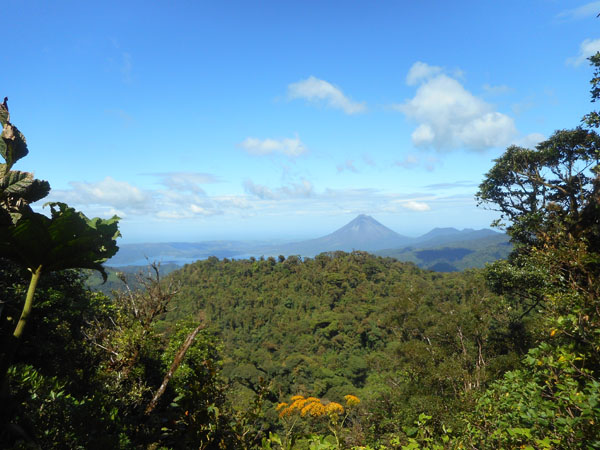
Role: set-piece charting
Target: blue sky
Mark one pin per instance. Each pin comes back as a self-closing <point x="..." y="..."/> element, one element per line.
<point x="276" y="119"/>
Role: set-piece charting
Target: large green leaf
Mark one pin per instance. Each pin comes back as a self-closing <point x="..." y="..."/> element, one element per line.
<point x="15" y="145"/>
<point x="37" y="190"/>
<point x="19" y="189"/>
<point x="15" y="183"/>
<point x="66" y="240"/>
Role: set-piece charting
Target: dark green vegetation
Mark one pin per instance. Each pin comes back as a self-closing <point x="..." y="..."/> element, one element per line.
<point x="402" y="339"/>
<point x="116" y="277"/>
<point x="344" y="350"/>
<point x="455" y="256"/>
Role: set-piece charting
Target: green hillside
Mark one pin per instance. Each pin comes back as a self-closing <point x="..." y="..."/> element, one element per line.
<point x="455" y="256"/>
<point x="351" y="323"/>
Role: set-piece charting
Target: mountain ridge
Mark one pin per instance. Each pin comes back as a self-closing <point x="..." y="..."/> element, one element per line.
<point x="362" y="233"/>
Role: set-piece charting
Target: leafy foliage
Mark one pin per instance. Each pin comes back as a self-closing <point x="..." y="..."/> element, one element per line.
<point x="405" y="340"/>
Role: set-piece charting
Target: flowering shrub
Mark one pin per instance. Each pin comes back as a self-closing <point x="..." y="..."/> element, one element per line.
<point x="313" y="412"/>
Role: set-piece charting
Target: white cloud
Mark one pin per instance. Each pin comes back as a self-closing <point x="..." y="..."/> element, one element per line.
<point x="316" y="90"/>
<point x="421" y="71"/>
<point x="395" y="205"/>
<point x="109" y="196"/>
<point x="587" y="48"/>
<point x="196" y="209"/>
<point x="588" y="10"/>
<point x="303" y="189"/>
<point x="449" y="117"/>
<point x="233" y="201"/>
<point x="109" y="192"/>
<point x="296" y="197"/>
<point x="287" y="146"/>
<point x="415" y="206"/>
<point x="259" y="190"/>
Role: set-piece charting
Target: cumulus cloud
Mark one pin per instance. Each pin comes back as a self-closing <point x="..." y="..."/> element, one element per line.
<point x="110" y="192"/>
<point x="449" y="116"/>
<point x="587" y="10"/>
<point x="303" y="189"/>
<point x="415" y="206"/>
<point x="421" y="71"/>
<point x="587" y="48"/>
<point x="320" y="91"/>
<point x="287" y="146"/>
<point x="110" y="196"/>
<point x="296" y="197"/>
<point x="259" y="190"/>
<point x="395" y="205"/>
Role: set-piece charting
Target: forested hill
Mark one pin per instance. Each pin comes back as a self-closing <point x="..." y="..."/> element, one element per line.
<point x="401" y="338"/>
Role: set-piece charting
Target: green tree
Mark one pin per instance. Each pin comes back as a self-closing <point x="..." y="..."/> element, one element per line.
<point x="550" y="197"/>
<point x="557" y="183"/>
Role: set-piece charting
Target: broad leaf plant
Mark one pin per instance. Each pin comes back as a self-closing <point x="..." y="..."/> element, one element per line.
<point x="41" y="244"/>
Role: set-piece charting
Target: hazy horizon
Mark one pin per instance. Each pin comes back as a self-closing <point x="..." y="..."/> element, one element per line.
<point x="293" y="238"/>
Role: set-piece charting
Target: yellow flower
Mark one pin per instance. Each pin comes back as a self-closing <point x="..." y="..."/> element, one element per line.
<point x="298" y="404"/>
<point x="313" y="406"/>
<point x="285" y="412"/>
<point x="351" y="400"/>
<point x="315" y="409"/>
<point x="334" y="408"/>
<point x="281" y="405"/>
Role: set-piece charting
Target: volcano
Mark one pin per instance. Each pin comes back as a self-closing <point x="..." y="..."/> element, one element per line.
<point x="362" y="233"/>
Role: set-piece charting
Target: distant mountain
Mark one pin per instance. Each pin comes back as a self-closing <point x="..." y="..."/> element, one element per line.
<point x="470" y="249"/>
<point x="442" y="249"/>
<point x="441" y="236"/>
<point x="362" y="233"/>
<point x="438" y="232"/>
